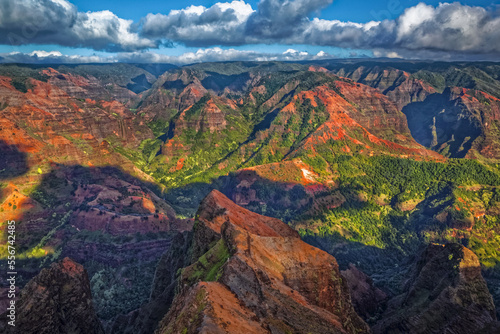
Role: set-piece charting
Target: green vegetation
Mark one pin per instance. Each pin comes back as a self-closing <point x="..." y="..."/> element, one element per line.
<point x="119" y="291"/>
<point x="21" y="75"/>
<point x="208" y="268"/>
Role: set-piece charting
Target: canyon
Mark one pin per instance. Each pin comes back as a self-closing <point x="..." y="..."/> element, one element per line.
<point x="181" y="197"/>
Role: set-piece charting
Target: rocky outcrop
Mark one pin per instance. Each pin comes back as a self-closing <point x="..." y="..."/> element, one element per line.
<point x="256" y="272"/>
<point x="446" y="293"/>
<point x="57" y="300"/>
<point x="209" y="307"/>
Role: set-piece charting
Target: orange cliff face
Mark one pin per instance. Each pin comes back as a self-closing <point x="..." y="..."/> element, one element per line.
<point x="361" y="116"/>
<point x="266" y="278"/>
<point x="48" y="123"/>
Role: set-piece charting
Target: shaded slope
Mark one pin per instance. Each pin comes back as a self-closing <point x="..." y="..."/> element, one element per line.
<point x="457" y="123"/>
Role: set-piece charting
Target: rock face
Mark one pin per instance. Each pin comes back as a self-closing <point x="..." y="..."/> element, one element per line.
<point x="209" y="307"/>
<point x="58" y="300"/>
<point x="255" y="273"/>
<point x="446" y="294"/>
<point x="397" y="84"/>
<point x="104" y="218"/>
<point x="363" y="118"/>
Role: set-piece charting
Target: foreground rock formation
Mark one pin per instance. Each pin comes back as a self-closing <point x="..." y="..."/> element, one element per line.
<point x="446" y="294"/>
<point x="58" y="300"/>
<point x="257" y="276"/>
<point x="240" y="272"/>
<point x="244" y="272"/>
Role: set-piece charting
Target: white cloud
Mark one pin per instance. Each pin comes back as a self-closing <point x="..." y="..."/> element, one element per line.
<point x="450" y="27"/>
<point x="59" y="22"/>
<point x="43" y="54"/>
<point x="215" y="54"/>
<point x="223" y="23"/>
<point x="51" y="57"/>
<point x="448" y="30"/>
<point x="413" y="18"/>
<point x="386" y="54"/>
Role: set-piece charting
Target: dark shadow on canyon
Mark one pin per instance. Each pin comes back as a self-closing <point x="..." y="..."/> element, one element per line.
<point x="13" y="162"/>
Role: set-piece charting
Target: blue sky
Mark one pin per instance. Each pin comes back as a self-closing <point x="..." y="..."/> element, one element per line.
<point x="344" y="10"/>
<point x="106" y="30"/>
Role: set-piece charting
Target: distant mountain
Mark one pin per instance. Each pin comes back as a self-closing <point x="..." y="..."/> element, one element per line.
<point x="452" y="108"/>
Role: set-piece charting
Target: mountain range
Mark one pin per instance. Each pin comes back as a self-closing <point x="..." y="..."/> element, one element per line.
<point x="333" y="196"/>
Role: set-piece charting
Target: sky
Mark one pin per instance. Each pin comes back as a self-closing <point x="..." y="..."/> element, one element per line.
<point x="91" y="31"/>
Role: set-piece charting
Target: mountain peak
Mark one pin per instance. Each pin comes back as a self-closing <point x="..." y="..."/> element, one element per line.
<point x="216" y="209"/>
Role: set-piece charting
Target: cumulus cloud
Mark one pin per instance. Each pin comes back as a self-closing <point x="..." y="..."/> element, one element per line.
<point x="234" y="23"/>
<point x="202" y="55"/>
<point x="59" y="22"/>
<point x="278" y="19"/>
<point x="446" y="30"/>
<point x="221" y="24"/>
<point x="449" y="27"/>
<point x="51" y="57"/>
